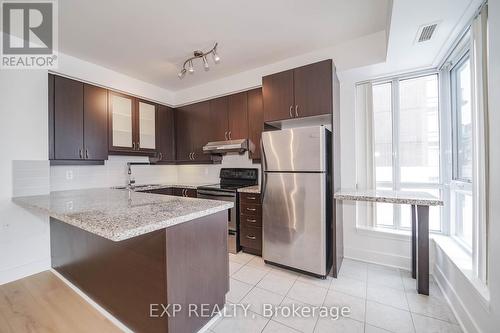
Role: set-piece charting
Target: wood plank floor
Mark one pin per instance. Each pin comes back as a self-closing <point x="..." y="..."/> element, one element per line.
<point x="44" y="303"/>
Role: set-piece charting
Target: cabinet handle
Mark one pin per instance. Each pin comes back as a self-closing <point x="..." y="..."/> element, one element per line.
<point x="161" y="156"/>
<point x="230" y="135"/>
<point x="225" y="135"/>
<point x="290" y="111"/>
<point x="252" y="220"/>
<point x="133" y="145"/>
<point x="296" y="110"/>
<point x="251" y="209"/>
<point x="86" y="153"/>
<point x="251" y="198"/>
<point x="194" y="156"/>
<point x="251" y="237"/>
<point x="80" y="153"/>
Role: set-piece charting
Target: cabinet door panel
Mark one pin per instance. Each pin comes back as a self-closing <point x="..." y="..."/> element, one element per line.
<point x="122" y="121"/>
<point x="218" y="119"/>
<point x="68" y="119"/>
<point x="201" y="130"/>
<point x="95" y="112"/>
<point x="165" y="133"/>
<point x="277" y="91"/>
<point x="313" y="89"/>
<point x="183" y="133"/>
<point x="238" y="116"/>
<point x="255" y="120"/>
<point x="146" y="121"/>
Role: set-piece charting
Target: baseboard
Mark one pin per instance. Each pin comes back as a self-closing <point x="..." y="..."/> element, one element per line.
<point x="460" y="311"/>
<point x="19" y="272"/>
<point x="380" y="258"/>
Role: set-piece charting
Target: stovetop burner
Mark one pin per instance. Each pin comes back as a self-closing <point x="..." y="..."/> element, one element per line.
<point x="231" y="179"/>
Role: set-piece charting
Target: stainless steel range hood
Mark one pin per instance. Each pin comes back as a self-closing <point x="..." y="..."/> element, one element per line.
<point x="222" y="147"/>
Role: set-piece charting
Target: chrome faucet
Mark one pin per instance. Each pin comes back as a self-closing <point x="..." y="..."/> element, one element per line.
<point x="131" y="180"/>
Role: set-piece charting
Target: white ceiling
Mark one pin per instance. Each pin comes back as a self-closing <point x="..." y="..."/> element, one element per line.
<point x="150" y="39"/>
<point x="403" y="53"/>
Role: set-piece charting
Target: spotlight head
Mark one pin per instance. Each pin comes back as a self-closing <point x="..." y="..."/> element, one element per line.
<point x="182" y="73"/>
<point x="191" y="68"/>
<point x="205" y="63"/>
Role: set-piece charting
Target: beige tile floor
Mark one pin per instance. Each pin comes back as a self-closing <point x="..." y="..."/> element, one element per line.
<point x="381" y="299"/>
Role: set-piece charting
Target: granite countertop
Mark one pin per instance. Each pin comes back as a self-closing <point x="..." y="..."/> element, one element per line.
<point x="149" y="187"/>
<point x="386" y="196"/>
<point x="250" y="189"/>
<point x="120" y="214"/>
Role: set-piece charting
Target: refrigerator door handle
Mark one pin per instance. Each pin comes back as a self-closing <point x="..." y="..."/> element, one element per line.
<point x="263" y="172"/>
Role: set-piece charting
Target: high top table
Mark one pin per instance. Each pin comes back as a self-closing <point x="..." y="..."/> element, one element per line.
<point x="420" y="202"/>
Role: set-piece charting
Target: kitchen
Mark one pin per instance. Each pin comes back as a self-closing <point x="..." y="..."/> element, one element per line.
<point x="228" y="180"/>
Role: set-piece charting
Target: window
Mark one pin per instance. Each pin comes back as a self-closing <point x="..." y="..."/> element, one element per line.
<point x="406" y="144"/>
<point x="461" y="184"/>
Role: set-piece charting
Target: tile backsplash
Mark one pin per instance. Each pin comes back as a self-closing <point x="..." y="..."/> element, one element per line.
<point x="38" y="177"/>
<point x="209" y="173"/>
<point x="112" y="173"/>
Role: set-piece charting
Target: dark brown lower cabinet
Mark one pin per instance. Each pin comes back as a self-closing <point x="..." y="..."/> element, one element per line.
<point x="183" y="264"/>
<point x="184" y="192"/>
<point x="251" y="223"/>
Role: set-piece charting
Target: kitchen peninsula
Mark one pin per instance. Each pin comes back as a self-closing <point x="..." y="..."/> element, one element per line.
<point x="130" y="251"/>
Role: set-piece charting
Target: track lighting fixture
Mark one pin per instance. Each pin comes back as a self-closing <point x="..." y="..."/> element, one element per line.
<point x="196" y="55"/>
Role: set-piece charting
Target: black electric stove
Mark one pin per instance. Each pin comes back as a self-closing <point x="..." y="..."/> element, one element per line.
<point x="231" y="179"/>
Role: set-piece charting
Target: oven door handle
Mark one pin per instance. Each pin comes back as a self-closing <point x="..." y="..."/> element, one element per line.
<point x="216" y="194"/>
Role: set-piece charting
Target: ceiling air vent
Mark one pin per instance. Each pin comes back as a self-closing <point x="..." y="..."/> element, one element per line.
<point x="425" y="32"/>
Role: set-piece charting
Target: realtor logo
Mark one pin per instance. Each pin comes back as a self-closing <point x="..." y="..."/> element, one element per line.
<point x="29" y="37"/>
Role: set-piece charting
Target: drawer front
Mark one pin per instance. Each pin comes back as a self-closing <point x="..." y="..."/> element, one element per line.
<point x="164" y="191"/>
<point x="251" y="198"/>
<point x="184" y="192"/>
<point x="250" y="209"/>
<point x="250" y="221"/>
<point x="251" y="237"/>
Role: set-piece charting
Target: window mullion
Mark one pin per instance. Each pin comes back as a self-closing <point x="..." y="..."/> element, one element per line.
<point x="396" y="172"/>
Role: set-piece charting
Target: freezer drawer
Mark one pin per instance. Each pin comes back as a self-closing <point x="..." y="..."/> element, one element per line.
<point x="300" y="149"/>
<point x="294" y="220"/>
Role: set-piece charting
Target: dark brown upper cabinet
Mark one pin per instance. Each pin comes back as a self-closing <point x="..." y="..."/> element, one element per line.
<point x="237" y="112"/>
<point x="132" y="125"/>
<point x="218" y="119"/>
<point x="165" y="134"/>
<point x="228" y="117"/>
<point x="193" y="131"/>
<point x="301" y="92"/>
<point x="95" y="105"/>
<point x="78" y="121"/>
<point x="255" y="120"/>
<point x="277" y="92"/>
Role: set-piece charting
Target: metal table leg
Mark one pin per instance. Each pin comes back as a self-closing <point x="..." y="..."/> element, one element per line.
<point x="413" y="241"/>
<point x="422" y="249"/>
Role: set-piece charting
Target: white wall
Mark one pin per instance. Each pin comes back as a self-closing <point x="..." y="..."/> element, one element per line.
<point x="359" y="52"/>
<point x="24" y="237"/>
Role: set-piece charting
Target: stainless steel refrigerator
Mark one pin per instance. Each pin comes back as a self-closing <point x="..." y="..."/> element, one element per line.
<point x="296" y="199"/>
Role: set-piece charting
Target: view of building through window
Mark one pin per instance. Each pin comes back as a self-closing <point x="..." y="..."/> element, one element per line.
<point x="407" y="147"/>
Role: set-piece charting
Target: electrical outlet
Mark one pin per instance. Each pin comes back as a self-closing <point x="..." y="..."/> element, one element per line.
<point x="69" y="174"/>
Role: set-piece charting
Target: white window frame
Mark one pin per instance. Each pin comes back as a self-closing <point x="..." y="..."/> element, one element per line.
<point x="396" y="183"/>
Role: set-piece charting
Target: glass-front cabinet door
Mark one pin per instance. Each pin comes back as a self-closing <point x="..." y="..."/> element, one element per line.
<point x="147" y="125"/>
<point x="122" y="121"/>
